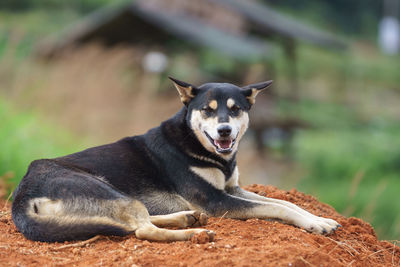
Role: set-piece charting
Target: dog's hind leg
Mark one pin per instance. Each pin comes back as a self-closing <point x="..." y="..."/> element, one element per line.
<point x="180" y="219"/>
<point x="83" y="218"/>
<point x="75" y="206"/>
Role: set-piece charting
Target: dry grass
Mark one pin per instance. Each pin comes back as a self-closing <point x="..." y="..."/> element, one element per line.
<point x="5" y="184"/>
<point x="79" y="244"/>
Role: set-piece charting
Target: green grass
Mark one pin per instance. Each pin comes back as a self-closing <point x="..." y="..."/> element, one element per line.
<point x="26" y="137"/>
<point x="352" y="166"/>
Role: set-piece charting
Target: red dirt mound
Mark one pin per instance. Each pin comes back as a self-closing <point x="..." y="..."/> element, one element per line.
<point x="237" y="243"/>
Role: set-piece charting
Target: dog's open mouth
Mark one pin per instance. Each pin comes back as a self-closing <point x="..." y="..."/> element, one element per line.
<point x="223" y="145"/>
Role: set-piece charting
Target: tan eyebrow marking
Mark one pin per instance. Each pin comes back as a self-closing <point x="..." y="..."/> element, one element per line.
<point x="230" y="103"/>
<point x="213" y="104"/>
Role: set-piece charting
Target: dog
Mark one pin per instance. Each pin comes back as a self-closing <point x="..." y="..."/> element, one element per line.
<point x="175" y="175"/>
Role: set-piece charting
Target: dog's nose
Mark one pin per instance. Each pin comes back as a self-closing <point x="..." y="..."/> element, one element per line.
<point x="224" y="130"/>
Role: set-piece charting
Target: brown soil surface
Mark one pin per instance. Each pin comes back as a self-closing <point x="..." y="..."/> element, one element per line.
<point x="237" y="243"/>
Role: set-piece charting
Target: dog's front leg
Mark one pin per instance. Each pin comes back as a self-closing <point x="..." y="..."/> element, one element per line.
<point x="239" y="192"/>
<point x="274" y="210"/>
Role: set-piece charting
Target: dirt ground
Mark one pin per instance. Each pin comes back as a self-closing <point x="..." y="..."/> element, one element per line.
<point x="237" y="243"/>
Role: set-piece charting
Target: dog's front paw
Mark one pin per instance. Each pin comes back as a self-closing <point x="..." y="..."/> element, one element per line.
<point x="321" y="225"/>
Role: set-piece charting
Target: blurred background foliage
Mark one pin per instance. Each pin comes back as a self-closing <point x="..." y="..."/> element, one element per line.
<point x="348" y="156"/>
<point x="357" y="18"/>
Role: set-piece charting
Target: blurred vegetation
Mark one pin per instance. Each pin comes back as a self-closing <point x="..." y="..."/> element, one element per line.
<point x="353" y="167"/>
<point x="351" y="155"/>
<point x="26" y="136"/>
<point x="358" y="18"/>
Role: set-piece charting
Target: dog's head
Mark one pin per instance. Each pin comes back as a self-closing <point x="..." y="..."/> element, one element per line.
<point x="218" y="113"/>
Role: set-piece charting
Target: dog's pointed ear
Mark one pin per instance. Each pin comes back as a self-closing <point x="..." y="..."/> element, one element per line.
<point x="252" y="90"/>
<point x="186" y="91"/>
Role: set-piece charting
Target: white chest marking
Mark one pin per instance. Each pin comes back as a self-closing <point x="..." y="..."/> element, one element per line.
<point x="213" y="176"/>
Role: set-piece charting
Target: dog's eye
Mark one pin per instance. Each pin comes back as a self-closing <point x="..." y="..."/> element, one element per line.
<point x="235" y="110"/>
<point x="208" y="110"/>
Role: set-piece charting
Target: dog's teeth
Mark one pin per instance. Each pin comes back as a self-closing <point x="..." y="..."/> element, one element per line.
<point x="217" y="144"/>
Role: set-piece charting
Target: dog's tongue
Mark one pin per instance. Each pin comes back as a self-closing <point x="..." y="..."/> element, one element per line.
<point x="224" y="144"/>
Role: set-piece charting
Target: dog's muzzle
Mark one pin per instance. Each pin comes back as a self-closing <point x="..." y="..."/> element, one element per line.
<point x="224" y="144"/>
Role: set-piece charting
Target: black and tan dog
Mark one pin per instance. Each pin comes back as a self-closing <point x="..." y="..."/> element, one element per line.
<point x="174" y="175"/>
